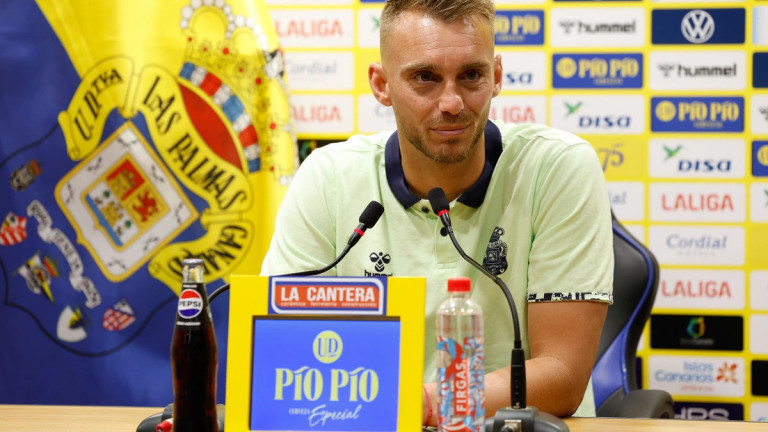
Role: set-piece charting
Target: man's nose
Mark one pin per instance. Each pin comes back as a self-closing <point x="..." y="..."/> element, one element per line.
<point x="450" y="100"/>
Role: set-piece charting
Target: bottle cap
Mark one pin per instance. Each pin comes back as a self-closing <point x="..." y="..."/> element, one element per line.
<point x="459" y="284"/>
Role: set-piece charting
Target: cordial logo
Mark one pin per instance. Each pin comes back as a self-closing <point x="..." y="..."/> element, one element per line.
<point x="697" y="26"/>
<point x="327" y="346"/>
<point x="627" y="200"/>
<point x="190" y="303"/>
<point x="698" y="245"/>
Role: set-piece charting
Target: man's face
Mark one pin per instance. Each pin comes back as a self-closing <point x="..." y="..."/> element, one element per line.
<point x="440" y="81"/>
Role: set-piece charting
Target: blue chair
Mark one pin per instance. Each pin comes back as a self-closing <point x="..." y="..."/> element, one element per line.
<point x="614" y="379"/>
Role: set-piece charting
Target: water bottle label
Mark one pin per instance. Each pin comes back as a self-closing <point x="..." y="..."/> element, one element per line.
<point x="461" y="386"/>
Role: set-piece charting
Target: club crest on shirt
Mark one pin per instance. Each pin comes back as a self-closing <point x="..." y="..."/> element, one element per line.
<point x="496" y="253"/>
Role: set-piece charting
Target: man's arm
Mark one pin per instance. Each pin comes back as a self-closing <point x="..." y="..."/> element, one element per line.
<point x="563" y="338"/>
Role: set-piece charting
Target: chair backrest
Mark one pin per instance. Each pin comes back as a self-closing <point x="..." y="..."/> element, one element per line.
<point x="636" y="278"/>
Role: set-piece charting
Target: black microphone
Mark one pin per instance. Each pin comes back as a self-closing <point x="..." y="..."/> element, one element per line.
<point x="518" y="417"/>
<point x="368" y="219"/>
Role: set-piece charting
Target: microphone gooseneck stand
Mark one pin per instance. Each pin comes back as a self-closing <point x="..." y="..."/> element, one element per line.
<point x="367" y="219"/>
<point x="518" y="417"/>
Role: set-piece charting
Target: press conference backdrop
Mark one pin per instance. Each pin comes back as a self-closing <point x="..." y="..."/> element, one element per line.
<point x="133" y="134"/>
<point x="674" y="98"/>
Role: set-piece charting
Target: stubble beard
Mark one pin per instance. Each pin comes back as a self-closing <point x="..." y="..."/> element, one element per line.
<point x="448" y="151"/>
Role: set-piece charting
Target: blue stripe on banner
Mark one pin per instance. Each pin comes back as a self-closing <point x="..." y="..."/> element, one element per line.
<point x="233" y="108"/>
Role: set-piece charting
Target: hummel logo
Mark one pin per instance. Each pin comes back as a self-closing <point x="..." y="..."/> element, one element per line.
<point x="666" y="69"/>
<point x="567" y="26"/>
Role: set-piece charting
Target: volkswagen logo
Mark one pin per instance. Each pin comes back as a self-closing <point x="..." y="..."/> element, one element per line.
<point x="697" y="26"/>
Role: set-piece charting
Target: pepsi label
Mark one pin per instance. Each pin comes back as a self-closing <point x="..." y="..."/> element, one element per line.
<point x="190" y="304"/>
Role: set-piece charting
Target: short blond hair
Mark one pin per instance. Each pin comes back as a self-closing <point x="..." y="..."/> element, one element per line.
<point x="443" y="10"/>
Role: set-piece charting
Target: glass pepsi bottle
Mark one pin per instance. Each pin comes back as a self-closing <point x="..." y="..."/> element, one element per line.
<point x="194" y="355"/>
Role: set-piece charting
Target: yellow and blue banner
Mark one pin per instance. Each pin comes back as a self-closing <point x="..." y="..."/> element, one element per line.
<point x="133" y="134"/>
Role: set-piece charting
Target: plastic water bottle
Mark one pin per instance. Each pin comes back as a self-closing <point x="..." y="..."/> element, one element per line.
<point x="460" y="361"/>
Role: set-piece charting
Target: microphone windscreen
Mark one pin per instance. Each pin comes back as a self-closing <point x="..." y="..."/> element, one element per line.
<point x="371" y="214"/>
<point x="438" y="200"/>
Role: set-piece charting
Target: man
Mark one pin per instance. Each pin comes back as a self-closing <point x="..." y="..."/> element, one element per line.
<point x="528" y="198"/>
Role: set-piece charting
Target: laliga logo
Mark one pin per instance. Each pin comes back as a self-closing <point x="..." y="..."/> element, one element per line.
<point x="190" y="303"/>
<point x="310" y="383"/>
<point x="697" y="26"/>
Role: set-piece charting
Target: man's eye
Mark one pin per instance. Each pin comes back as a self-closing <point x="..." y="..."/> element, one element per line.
<point x="473" y="75"/>
<point x="423" y="76"/>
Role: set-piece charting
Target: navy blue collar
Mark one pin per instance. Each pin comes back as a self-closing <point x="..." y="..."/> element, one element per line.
<point x="472" y="197"/>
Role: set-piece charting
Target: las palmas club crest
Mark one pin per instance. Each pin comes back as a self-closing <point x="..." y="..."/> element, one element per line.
<point x="126" y="193"/>
<point x="150" y="163"/>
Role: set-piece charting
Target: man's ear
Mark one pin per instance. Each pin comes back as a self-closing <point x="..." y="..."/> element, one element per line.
<point x="498" y="73"/>
<point x="377" y="78"/>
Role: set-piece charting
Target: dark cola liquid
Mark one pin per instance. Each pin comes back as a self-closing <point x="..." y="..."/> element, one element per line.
<point x="194" y="363"/>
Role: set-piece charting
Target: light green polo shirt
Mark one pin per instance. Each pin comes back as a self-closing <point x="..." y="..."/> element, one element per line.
<point x="538" y="218"/>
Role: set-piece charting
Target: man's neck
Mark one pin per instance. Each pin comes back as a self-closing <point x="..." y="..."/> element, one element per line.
<point x="422" y="174"/>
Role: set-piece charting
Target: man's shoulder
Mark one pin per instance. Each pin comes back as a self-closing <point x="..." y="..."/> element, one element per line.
<point x="540" y="143"/>
<point x="538" y="134"/>
<point x="356" y="145"/>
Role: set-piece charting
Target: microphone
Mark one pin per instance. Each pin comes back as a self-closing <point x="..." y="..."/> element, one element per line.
<point x="518" y="417"/>
<point x="368" y="219"/>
